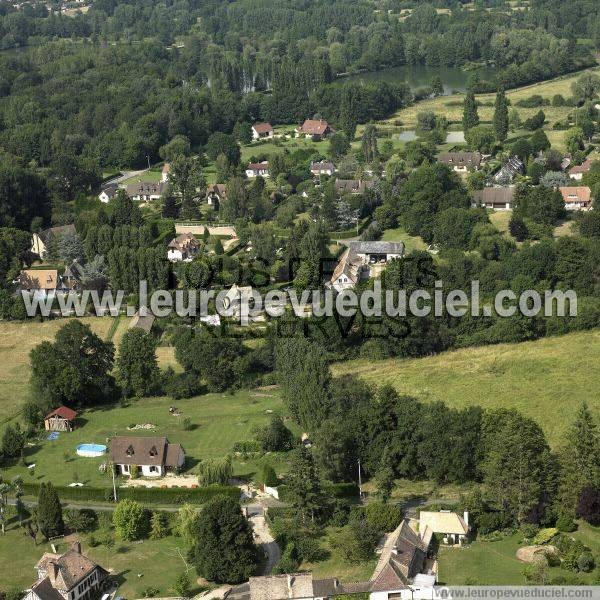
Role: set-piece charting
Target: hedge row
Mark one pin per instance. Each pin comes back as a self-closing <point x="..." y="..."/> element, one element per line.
<point x="141" y="494"/>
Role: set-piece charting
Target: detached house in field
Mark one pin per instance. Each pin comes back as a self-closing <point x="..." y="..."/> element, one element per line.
<point x="323" y="167"/>
<point x="144" y="191"/>
<point x="577" y="198"/>
<point x="183" y="248"/>
<point x="315" y="129"/>
<point x="461" y="162"/>
<point x="262" y="131"/>
<point x="60" y="419"/>
<point x="496" y="198"/>
<point x="68" y="576"/>
<point x="260" y="169"/>
<point x="154" y="456"/>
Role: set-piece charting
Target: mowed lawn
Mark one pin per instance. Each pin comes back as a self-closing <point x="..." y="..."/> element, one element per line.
<point x="546" y="380"/>
<point x="16" y="341"/>
<point x="495" y="563"/>
<point x="134" y="566"/>
<point x="218" y="422"/>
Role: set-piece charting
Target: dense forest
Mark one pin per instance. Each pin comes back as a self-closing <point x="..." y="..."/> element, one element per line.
<point x="108" y="87"/>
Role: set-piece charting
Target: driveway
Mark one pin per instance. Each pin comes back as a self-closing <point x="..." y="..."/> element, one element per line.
<point x="263" y="537"/>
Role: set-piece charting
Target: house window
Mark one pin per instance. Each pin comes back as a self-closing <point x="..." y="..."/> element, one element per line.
<point x="153" y="469"/>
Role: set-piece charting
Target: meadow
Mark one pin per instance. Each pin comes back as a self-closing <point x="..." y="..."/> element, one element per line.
<point x="16" y="341"/>
<point x="546" y="379"/>
<point x="218" y="421"/>
<point x="134" y="566"/>
<point x="495" y="563"/>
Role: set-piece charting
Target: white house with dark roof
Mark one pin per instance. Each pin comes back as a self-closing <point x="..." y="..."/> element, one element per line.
<point x="68" y="576"/>
<point x="108" y="192"/>
<point x="461" y="162"/>
<point x="260" y="169"/>
<point x="154" y="456"/>
<point x="496" y="198"/>
<point x="322" y="167"/>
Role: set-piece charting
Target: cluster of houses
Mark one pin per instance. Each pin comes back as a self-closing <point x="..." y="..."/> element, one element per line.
<point x="406" y="568"/>
<point x="500" y="196"/>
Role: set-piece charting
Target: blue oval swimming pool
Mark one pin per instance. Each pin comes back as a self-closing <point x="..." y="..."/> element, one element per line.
<point x="91" y="450"/>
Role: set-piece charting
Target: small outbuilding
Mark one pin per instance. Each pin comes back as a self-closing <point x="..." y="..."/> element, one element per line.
<point x="60" y="419"/>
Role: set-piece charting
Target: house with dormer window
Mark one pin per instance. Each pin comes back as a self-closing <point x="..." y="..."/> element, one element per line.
<point x="68" y="576"/>
<point x="153" y="456"/>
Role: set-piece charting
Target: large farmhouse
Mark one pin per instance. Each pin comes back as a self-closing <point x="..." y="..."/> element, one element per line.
<point x="145" y="192"/>
<point x="496" y="198"/>
<point x="68" y="576"/>
<point x="461" y="162"/>
<point x="154" y="456"/>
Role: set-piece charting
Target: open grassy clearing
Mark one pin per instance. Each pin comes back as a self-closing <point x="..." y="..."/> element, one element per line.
<point x="451" y="106"/>
<point x="158" y="562"/>
<point x="400" y="235"/>
<point x="218" y="420"/>
<point x="495" y="563"/>
<point x="546" y="380"/>
<point x="154" y="175"/>
<point x="16" y="341"/>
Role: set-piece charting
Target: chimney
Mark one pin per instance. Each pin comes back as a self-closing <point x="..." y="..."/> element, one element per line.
<point x="466" y="517"/>
<point x="76" y="547"/>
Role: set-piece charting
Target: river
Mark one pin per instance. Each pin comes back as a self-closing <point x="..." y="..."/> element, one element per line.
<point x="453" y="79"/>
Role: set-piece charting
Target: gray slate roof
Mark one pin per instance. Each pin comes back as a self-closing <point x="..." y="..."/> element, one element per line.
<point x="377" y="247"/>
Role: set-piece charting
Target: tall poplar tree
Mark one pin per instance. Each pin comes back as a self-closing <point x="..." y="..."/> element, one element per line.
<point x="500" y="121"/>
<point x="470" y="115"/>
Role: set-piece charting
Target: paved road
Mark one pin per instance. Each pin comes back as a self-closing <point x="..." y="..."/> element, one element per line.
<point x="125" y="175"/>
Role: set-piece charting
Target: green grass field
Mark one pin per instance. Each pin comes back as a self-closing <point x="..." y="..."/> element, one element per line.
<point x="400" y="235"/>
<point x="157" y="562"/>
<point x="495" y="563"/>
<point x="546" y="379"/>
<point x="16" y="341"/>
<point x="219" y="420"/>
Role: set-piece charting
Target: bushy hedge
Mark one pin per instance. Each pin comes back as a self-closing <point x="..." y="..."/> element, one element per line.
<point x="141" y="494"/>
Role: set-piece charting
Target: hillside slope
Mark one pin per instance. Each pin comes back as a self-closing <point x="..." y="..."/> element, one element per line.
<point x="546" y="379"/>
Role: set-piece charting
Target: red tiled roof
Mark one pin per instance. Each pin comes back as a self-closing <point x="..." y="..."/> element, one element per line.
<point x="314" y="127"/>
<point x="582" y="168"/>
<point x="261" y="166"/>
<point x="576" y="194"/>
<point x="262" y="127"/>
<point x="64" y="412"/>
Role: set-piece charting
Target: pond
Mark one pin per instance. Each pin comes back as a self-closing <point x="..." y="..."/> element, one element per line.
<point x="416" y="77"/>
